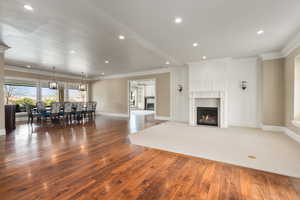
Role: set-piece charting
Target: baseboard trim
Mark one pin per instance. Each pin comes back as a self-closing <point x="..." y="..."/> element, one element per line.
<point x="273" y="128"/>
<point x="243" y="124"/>
<point x="296" y="123"/>
<point x="113" y="114"/>
<point x="292" y="134"/>
<point x="284" y="130"/>
<point x="162" y="118"/>
<point x="2" y="132"/>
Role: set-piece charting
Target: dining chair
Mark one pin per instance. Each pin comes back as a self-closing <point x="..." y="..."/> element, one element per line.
<point x="31" y="114"/>
<point x="55" y="110"/>
<point x="68" y="110"/>
<point x="89" y="108"/>
<point x="79" y="110"/>
<point x="40" y="106"/>
<point x="94" y="107"/>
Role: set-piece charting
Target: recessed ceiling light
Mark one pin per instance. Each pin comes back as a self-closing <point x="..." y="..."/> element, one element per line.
<point x="121" y="37"/>
<point x="195" y="44"/>
<point x="28" y="66"/>
<point x="102" y="73"/>
<point x="204" y="57"/>
<point x="260" y="32"/>
<point x="107" y="61"/>
<point x="28" y="7"/>
<point x="72" y="51"/>
<point x="168" y="62"/>
<point x="178" y="20"/>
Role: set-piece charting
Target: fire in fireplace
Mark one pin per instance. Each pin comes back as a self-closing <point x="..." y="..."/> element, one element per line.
<point x="207" y="116"/>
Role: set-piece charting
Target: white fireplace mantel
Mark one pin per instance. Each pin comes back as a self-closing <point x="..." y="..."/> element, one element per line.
<point x="222" y="105"/>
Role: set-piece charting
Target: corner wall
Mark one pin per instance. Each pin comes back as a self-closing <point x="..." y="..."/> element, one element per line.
<point x="112" y="94"/>
<point x="273" y="92"/>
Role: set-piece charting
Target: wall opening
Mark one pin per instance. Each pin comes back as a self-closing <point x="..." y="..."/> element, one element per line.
<point x="142" y="98"/>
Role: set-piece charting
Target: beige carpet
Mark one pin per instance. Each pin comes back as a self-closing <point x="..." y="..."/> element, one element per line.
<point x="274" y="152"/>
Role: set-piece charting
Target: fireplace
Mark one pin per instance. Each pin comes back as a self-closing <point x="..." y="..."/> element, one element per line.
<point x="207" y="116"/>
<point x="216" y="100"/>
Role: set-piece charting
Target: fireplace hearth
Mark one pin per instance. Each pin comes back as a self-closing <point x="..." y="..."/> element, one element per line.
<point x="207" y="116"/>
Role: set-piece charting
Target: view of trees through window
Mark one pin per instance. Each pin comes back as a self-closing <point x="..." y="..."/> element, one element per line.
<point x="49" y="96"/>
<point x="15" y="94"/>
<point x="76" y="95"/>
<point x="23" y="94"/>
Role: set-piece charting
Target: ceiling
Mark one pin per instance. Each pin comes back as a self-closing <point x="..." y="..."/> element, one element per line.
<point x="46" y="36"/>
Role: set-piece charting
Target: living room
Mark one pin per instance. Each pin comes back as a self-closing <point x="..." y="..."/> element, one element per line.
<point x="150" y="100"/>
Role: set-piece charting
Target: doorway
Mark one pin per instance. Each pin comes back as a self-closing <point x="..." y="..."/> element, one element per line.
<point x="142" y="98"/>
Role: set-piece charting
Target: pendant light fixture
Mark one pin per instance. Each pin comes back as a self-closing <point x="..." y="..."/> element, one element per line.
<point x="82" y="85"/>
<point x="53" y="83"/>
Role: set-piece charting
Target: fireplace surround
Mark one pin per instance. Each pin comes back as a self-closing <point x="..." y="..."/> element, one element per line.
<point x="210" y="99"/>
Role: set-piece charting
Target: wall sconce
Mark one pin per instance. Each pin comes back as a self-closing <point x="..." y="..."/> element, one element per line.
<point x="244" y="85"/>
<point x="179" y="88"/>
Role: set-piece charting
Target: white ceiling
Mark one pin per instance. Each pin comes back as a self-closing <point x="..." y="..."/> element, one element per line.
<point x="223" y="28"/>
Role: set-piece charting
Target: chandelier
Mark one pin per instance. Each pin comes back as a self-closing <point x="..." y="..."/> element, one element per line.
<point x="82" y="85"/>
<point x="53" y="83"/>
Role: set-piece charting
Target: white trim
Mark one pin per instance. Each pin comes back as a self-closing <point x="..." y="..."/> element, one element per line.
<point x="162" y="118"/>
<point x="127" y="75"/>
<point x="273" y="128"/>
<point x="292" y="134"/>
<point x="296" y="123"/>
<point x="284" y="130"/>
<point x="272" y="55"/>
<point x="220" y="98"/>
<point x="113" y="114"/>
<point x="213" y="59"/>
<point x="39" y="72"/>
<point x="291" y="45"/>
<point x="24" y="79"/>
<point x="2" y="132"/>
<point x="244" y="124"/>
<point x="129" y="89"/>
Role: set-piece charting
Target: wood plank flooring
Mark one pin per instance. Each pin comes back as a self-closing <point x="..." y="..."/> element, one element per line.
<point x="95" y="160"/>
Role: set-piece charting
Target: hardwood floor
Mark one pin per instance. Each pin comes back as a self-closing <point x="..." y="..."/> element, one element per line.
<point x="96" y="161"/>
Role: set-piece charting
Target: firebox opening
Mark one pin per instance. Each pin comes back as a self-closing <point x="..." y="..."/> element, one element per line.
<point x="207" y="116"/>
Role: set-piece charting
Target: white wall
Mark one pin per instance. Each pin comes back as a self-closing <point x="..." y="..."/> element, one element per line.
<point x="226" y="74"/>
<point x="179" y="100"/>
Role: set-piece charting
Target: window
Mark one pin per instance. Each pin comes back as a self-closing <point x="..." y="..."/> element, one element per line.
<point x="20" y="95"/>
<point x="76" y="95"/>
<point x="49" y="96"/>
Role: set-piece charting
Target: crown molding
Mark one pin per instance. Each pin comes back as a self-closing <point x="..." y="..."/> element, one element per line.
<point x="272" y="55"/>
<point x="226" y="59"/>
<point x="3" y="47"/>
<point x="141" y="73"/>
<point x="293" y="43"/>
<point x="39" y="72"/>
